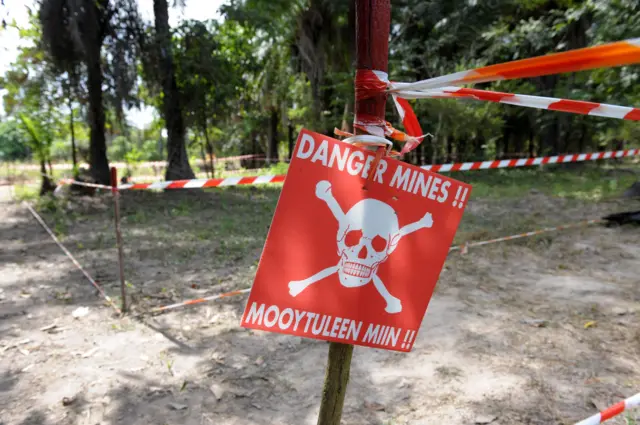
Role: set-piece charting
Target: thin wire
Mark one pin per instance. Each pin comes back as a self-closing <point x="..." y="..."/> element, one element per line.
<point x="71" y="257"/>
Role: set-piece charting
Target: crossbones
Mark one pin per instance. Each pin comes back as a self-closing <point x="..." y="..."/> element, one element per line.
<point x="367" y="235"/>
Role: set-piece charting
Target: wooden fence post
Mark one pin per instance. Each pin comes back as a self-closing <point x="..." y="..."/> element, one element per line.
<point x="373" y="22"/>
<point x="116" y="207"/>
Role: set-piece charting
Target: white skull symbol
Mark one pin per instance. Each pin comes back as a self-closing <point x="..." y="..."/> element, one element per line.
<point x="367" y="234"/>
<point x="366" y="237"/>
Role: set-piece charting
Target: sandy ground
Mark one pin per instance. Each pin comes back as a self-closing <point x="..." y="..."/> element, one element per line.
<point x="504" y="340"/>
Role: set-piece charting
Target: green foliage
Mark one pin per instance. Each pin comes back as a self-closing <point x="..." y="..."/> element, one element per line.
<point x="39" y="137"/>
<point x="123" y="149"/>
<point x="13" y="145"/>
<point x="118" y="148"/>
<point x="25" y="193"/>
<point x="33" y="95"/>
<point x="437" y="37"/>
<point x="270" y="67"/>
<point x="133" y="156"/>
<point x="583" y="182"/>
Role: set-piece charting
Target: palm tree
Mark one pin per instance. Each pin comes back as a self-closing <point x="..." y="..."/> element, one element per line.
<point x="73" y="32"/>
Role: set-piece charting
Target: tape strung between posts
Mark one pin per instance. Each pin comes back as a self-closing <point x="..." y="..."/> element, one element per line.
<point x="196" y="301"/>
<point x="462" y="248"/>
<point x="79" y="183"/>
<point x="438" y="168"/>
<point x="71" y="257"/>
<point x="612" y="411"/>
<point x="528" y="162"/>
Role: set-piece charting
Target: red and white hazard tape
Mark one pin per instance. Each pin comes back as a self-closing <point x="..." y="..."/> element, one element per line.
<point x="79" y="183"/>
<point x="370" y="83"/>
<point x="528" y="162"/>
<point x="604" y="56"/>
<point x="610" y="412"/>
<point x="536" y="102"/>
<point x="65" y="166"/>
<point x="438" y="168"/>
<point x="72" y="258"/>
<point x="198" y="301"/>
<point x="463" y="248"/>
<point x="203" y="183"/>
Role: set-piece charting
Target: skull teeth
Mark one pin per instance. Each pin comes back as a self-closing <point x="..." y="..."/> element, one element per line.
<point x="357" y="269"/>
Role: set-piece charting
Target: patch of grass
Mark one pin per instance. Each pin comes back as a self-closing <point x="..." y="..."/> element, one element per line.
<point x="167" y="361"/>
<point x="182" y="209"/>
<point x="26" y="192"/>
<point x="216" y="234"/>
<point x="274" y="170"/>
<point x="54" y="214"/>
<point x="138" y="217"/>
<point x="583" y="181"/>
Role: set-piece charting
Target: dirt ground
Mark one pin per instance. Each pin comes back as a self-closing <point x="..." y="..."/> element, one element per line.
<point x="538" y="331"/>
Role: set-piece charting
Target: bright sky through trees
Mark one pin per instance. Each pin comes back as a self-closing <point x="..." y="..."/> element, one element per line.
<point x="17" y="10"/>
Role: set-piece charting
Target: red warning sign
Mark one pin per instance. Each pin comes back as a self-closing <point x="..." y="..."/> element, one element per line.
<point x="348" y="264"/>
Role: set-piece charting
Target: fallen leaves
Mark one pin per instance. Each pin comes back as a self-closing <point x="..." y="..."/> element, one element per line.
<point x="590" y="324"/>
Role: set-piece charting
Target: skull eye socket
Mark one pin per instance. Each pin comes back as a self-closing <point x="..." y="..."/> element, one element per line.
<point x="353" y="238"/>
<point x="379" y="243"/>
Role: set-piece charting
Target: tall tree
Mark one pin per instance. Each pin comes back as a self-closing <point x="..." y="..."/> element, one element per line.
<point x="101" y="38"/>
<point x="73" y="33"/>
<point x="177" y="159"/>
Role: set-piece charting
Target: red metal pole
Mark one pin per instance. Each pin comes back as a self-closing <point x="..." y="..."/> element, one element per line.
<point x="116" y="209"/>
<point x="373" y="22"/>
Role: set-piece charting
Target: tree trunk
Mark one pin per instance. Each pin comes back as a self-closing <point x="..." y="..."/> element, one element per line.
<point x="204" y="158"/>
<point x="212" y="164"/>
<point x="478" y="151"/>
<point x="98" y="164"/>
<point x="178" y="167"/>
<point x="272" y="150"/>
<point x="292" y="140"/>
<point x="532" y="137"/>
<point x="74" y="158"/>
<point x="254" y="147"/>
<point x="434" y="141"/>
<point x="553" y="136"/>
<point x="46" y="186"/>
<point x="461" y="149"/>
<point x="346" y="115"/>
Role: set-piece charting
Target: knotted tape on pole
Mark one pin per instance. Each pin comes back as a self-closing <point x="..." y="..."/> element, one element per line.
<point x="371" y="83"/>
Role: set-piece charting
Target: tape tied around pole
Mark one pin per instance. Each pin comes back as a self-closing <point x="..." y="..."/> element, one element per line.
<point x="371" y="83"/>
